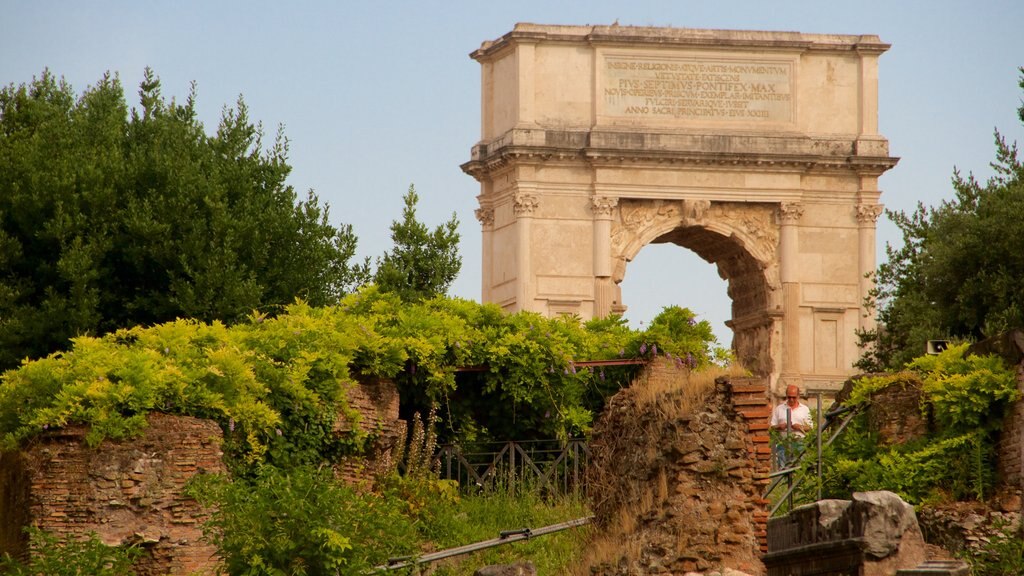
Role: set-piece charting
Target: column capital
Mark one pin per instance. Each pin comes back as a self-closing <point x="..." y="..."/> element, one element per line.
<point x="524" y="203"/>
<point x="790" y="212"/>
<point x="868" y="213"/>
<point x="603" y="206"/>
<point x="485" y="216"/>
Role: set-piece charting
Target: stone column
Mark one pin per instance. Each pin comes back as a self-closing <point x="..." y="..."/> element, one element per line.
<point x="524" y="203"/>
<point x="789" y="217"/>
<point x="867" y="215"/>
<point x="486" y="218"/>
<point x="604" y="288"/>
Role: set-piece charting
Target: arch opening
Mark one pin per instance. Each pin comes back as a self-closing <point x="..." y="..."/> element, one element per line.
<point x="746" y="286"/>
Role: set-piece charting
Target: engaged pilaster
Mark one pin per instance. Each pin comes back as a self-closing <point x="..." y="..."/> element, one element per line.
<point x="789" y="219"/>
<point x="523" y="205"/>
<point x="486" y="217"/>
<point x="605" y="293"/>
<point x="867" y="217"/>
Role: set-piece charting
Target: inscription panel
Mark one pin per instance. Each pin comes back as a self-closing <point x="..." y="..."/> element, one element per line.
<point x="697" y="88"/>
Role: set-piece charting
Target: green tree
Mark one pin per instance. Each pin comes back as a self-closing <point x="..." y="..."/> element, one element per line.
<point x="111" y="217"/>
<point x="958" y="274"/>
<point x="423" y="263"/>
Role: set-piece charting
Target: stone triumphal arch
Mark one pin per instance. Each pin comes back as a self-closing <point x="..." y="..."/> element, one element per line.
<point x="759" y="151"/>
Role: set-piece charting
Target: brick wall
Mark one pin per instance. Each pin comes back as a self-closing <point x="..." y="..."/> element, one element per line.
<point x="123" y="491"/>
<point x="895" y="413"/>
<point x="132" y="491"/>
<point x="376" y="401"/>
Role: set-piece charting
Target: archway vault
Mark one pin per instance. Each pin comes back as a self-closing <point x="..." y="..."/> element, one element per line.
<point x="758" y="151"/>
<point x="740" y="239"/>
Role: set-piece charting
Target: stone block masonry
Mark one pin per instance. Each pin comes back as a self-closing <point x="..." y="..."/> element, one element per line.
<point x="875" y="534"/>
<point x="674" y="478"/>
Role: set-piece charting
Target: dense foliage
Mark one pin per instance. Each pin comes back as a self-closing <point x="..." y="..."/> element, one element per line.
<point x="112" y="218"/>
<point x="301" y="521"/>
<point x="958" y="274"/>
<point x="278" y="384"/>
<point x="423" y="263"/>
<point x="964" y="397"/>
<point x="71" y="556"/>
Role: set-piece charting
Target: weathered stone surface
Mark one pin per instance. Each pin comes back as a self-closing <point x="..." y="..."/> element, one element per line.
<point x="875" y="534"/>
<point x="761" y="157"/>
<point x="889" y="524"/>
<point x="663" y="512"/>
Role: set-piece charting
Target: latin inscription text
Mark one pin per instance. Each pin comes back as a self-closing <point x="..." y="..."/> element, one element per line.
<point x="698" y="89"/>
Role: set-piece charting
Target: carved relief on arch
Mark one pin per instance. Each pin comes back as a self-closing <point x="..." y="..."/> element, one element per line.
<point x="751" y="225"/>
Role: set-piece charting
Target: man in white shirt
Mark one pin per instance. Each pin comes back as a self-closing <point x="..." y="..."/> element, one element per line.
<point x="791" y="421"/>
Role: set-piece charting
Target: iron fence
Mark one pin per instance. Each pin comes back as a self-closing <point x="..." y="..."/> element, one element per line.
<point x="547" y="466"/>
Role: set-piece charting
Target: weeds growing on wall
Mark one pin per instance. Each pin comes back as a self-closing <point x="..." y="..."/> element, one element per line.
<point x="965" y="397"/>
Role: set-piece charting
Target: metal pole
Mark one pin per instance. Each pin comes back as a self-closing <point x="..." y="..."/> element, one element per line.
<point x="506" y="537"/>
<point x="787" y="448"/>
<point x="817" y="431"/>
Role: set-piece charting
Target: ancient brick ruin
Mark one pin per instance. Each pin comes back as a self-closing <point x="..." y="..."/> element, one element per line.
<point x="125" y="492"/>
<point x="133" y="491"/>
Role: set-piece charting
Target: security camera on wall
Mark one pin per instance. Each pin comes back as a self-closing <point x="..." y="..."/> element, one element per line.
<point x="936" y="346"/>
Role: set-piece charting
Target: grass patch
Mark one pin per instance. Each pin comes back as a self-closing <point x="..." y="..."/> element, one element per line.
<point x="482" y="517"/>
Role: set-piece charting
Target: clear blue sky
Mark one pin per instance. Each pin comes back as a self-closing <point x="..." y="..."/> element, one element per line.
<point x="377" y="95"/>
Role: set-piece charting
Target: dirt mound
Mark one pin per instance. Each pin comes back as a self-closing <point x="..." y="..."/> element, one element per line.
<point x="671" y="481"/>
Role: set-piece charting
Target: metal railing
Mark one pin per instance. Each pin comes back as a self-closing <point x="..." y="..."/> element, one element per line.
<point x="793" y="476"/>
<point x="547" y="466"/>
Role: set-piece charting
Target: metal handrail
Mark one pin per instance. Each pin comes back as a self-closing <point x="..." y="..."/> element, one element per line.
<point x="790" y="474"/>
<point x="504" y="537"/>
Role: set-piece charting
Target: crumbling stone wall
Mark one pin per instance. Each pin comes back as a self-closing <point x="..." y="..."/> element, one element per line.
<point x="895" y="414"/>
<point x="966" y="527"/>
<point x="130" y="491"/>
<point x="676" y="490"/>
<point x="375" y="400"/>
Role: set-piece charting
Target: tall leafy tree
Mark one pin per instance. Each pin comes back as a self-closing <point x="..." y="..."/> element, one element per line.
<point x="111" y="217"/>
<point x="423" y="263"/>
<point x="960" y="271"/>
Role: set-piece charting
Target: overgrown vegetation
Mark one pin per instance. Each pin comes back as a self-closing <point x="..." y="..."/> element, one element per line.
<point x="964" y="397"/>
<point x="277" y="385"/>
<point x="70" y="556"/>
<point x="958" y="273"/>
